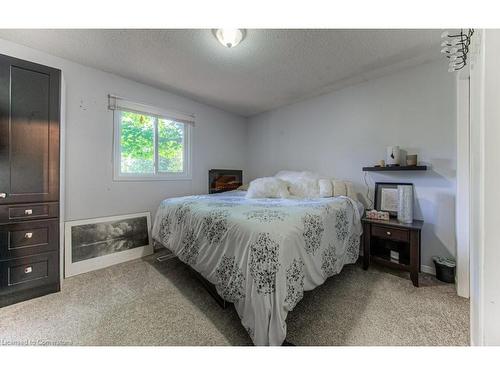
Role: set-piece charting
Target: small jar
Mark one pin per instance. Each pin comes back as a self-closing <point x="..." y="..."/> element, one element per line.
<point x="411" y="160"/>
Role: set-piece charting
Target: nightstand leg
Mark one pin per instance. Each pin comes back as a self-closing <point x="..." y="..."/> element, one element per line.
<point x="414" y="256"/>
<point x="414" y="278"/>
<point x="366" y="246"/>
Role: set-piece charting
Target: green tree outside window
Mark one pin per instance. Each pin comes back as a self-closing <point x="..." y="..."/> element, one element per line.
<point x="137" y="141"/>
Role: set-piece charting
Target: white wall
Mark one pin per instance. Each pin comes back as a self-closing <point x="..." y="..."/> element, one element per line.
<point x="335" y="134"/>
<point x="492" y="189"/>
<point x="339" y="133"/>
<point x="485" y="167"/>
<point x="219" y="141"/>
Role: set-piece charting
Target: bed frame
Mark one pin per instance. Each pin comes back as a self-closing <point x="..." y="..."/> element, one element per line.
<point x="211" y="289"/>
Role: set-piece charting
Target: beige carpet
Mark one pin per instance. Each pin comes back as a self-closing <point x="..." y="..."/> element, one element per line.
<point x="149" y="303"/>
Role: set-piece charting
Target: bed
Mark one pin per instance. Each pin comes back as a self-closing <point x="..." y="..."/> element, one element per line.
<point x="261" y="254"/>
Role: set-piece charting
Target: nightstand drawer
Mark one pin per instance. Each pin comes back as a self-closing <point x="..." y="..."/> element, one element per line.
<point x="390" y="233"/>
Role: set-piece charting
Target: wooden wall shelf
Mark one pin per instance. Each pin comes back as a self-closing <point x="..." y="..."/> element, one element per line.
<point x="400" y="168"/>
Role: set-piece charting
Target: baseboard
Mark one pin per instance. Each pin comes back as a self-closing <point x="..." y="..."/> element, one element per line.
<point x="428" y="269"/>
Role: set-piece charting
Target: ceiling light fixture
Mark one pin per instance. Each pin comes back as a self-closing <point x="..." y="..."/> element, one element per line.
<point x="230" y="37"/>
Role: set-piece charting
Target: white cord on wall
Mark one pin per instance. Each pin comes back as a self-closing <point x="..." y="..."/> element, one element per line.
<point x="368" y="195"/>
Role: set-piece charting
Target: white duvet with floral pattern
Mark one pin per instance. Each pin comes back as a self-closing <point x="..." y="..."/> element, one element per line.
<point x="261" y="254"/>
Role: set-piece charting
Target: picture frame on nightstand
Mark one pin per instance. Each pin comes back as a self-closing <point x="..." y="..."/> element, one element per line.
<point x="386" y="197"/>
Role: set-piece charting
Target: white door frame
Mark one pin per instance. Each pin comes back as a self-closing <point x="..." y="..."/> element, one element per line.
<point x="476" y="160"/>
<point x="462" y="218"/>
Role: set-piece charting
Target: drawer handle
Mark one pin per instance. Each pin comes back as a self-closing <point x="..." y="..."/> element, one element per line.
<point x="28" y="269"/>
<point x="28" y="235"/>
<point x="28" y="212"/>
<point x="3" y="195"/>
<point x="389" y="233"/>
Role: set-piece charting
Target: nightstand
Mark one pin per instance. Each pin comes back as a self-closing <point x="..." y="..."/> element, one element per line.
<point x="382" y="237"/>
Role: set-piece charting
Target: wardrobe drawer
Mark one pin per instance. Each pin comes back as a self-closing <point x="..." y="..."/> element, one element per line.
<point x="22" y="212"/>
<point x="28" y="238"/>
<point x="24" y="273"/>
<point x="29" y="272"/>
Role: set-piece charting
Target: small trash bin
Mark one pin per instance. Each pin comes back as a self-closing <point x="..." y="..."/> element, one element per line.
<point x="445" y="269"/>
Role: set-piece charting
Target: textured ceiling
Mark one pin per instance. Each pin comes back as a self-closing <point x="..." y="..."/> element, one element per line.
<point x="269" y="69"/>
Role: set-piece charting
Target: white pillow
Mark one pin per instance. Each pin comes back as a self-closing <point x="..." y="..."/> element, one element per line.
<point x="301" y="184"/>
<point x="268" y="187"/>
<point x="291" y="175"/>
<point x="350" y="190"/>
<point x="304" y="187"/>
<point x="339" y="188"/>
<point x="344" y="188"/>
<point x="325" y="188"/>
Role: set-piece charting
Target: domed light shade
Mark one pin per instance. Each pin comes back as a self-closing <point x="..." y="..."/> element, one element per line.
<point x="230" y="37"/>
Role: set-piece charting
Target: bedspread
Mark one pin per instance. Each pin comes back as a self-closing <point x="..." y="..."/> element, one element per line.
<point x="261" y="254"/>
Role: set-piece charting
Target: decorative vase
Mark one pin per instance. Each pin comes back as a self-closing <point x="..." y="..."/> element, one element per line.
<point x="392" y="158"/>
<point x="405" y="203"/>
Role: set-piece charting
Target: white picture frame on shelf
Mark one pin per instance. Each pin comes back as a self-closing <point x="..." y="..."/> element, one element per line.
<point x="97" y="243"/>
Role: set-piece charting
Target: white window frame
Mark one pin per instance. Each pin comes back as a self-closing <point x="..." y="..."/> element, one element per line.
<point x="156" y="113"/>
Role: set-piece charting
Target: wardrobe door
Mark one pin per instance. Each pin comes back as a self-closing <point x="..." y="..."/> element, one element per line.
<point x="29" y="132"/>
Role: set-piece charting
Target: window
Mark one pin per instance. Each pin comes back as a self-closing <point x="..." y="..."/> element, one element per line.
<point x="150" y="146"/>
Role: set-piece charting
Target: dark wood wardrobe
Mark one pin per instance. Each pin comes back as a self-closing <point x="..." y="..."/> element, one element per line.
<point x="29" y="180"/>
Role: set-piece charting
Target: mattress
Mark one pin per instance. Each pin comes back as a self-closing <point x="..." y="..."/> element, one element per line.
<point x="261" y="254"/>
